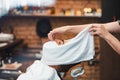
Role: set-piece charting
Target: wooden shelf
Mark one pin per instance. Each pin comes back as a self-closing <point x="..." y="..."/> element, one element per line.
<point x="49" y="16"/>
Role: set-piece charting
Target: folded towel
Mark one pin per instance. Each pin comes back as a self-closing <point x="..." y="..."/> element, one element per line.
<point x="80" y="48"/>
<point x="39" y="71"/>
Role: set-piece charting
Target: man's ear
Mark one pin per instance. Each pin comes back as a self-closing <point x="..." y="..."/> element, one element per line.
<point x="59" y="42"/>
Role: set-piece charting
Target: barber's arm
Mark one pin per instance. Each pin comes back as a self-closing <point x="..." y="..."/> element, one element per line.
<point x="104" y="30"/>
<point x="113" y="27"/>
<point x="113" y="42"/>
<point x="63" y="29"/>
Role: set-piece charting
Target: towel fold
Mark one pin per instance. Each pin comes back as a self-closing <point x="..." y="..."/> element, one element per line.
<point x="80" y="48"/>
<point x="39" y="71"/>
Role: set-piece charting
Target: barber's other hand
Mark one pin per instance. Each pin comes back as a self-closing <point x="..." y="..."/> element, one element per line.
<point x="52" y="34"/>
<point x="99" y="30"/>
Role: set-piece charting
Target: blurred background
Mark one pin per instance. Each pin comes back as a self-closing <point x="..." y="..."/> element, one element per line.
<point x="24" y="25"/>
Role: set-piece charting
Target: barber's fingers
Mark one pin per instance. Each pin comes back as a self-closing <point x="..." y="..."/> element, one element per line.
<point x="93" y="29"/>
<point x="51" y="35"/>
<point x="94" y="33"/>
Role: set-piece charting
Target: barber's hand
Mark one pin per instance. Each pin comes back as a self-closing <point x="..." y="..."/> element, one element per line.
<point x="52" y="34"/>
<point x="99" y="30"/>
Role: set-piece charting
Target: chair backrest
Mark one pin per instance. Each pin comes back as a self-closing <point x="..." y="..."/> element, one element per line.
<point x="43" y="27"/>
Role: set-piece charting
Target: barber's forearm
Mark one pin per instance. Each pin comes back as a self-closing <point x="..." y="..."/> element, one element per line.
<point x="76" y="28"/>
<point x="113" y="42"/>
<point x="112" y="27"/>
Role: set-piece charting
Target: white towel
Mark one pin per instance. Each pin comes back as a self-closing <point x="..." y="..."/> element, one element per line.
<point x="80" y="48"/>
<point x="39" y="71"/>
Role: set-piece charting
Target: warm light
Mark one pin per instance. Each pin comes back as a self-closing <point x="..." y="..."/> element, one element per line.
<point x="25" y="8"/>
<point x="87" y="10"/>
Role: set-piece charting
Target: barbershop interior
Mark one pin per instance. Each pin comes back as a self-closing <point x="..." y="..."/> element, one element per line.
<point x="27" y="53"/>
